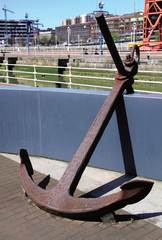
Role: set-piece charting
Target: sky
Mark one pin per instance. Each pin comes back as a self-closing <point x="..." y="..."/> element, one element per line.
<point x="51" y="12"/>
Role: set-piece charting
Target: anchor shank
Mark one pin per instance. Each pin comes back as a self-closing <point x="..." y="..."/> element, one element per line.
<point x="110" y="44"/>
<point x="82" y="156"/>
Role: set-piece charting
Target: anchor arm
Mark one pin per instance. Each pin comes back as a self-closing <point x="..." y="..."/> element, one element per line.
<point x="60" y="202"/>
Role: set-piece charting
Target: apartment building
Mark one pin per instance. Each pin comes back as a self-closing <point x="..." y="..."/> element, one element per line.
<point x="75" y="29"/>
<point x="127" y="25"/>
<point x="84" y="28"/>
<point x="17" y="31"/>
<point x="73" y="33"/>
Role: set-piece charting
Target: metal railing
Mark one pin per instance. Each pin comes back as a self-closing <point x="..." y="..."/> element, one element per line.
<point x="9" y="75"/>
<point x="73" y="50"/>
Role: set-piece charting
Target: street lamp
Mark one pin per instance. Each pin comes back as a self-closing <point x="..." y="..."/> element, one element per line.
<point x="68" y="30"/>
<point x="84" y="33"/>
<point x="134" y="27"/>
<point x="101" y="4"/>
<point x="26" y="16"/>
<point x="37" y="23"/>
<point x="78" y="41"/>
<point x="56" y="40"/>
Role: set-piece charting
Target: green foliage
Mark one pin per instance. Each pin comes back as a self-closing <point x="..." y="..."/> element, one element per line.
<point x="132" y="220"/>
<point x="44" y="40"/>
<point x="115" y="37"/>
<point x="10" y="41"/>
<point x="157" y="36"/>
<point x="52" y="40"/>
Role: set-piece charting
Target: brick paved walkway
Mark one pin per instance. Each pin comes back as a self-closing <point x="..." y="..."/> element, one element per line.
<point x="21" y="219"/>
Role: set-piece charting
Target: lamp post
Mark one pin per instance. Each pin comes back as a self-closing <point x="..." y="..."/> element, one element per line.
<point x="84" y="33"/>
<point x="68" y="30"/>
<point x="78" y="41"/>
<point x="56" y="40"/>
<point x="37" y="23"/>
<point x="101" y="4"/>
<point x="26" y="16"/>
<point x="134" y="28"/>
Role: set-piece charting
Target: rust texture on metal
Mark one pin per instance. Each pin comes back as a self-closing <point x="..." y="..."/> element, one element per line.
<point x="59" y="199"/>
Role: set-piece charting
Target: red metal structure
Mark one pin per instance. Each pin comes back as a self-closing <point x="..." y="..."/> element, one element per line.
<point x="152" y="21"/>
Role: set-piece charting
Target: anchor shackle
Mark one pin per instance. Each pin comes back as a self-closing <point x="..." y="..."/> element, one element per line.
<point x="131" y="62"/>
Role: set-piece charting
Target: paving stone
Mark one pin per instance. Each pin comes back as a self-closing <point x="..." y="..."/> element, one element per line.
<point x="107" y="231"/>
<point x="78" y="237"/>
<point x="94" y="237"/>
<point x="88" y="225"/>
<point x="43" y="231"/>
<point x="57" y="232"/>
<point x="91" y="231"/>
<point x="156" y="234"/>
<point x="20" y="218"/>
<point x="144" y="238"/>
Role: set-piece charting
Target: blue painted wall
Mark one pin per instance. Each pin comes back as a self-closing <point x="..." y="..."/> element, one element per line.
<point x="52" y="122"/>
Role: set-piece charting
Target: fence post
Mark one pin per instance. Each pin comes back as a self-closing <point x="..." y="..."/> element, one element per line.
<point x="70" y="76"/>
<point x="35" y="76"/>
<point x="7" y="78"/>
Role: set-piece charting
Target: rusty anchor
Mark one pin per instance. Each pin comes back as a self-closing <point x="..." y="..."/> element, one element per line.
<point x="59" y="199"/>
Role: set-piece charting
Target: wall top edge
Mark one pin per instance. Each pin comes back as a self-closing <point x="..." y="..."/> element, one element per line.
<point x="74" y="91"/>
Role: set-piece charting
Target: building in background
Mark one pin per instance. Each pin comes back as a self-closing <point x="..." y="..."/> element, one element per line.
<point x="75" y="29"/>
<point x="129" y="27"/>
<point x="84" y="28"/>
<point x="76" y="33"/>
<point x="17" y="32"/>
<point x="79" y="29"/>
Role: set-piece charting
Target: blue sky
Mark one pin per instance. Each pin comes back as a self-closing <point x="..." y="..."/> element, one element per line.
<point x="52" y="12"/>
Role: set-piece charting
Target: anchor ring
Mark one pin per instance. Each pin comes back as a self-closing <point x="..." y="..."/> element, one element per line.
<point x="130" y="59"/>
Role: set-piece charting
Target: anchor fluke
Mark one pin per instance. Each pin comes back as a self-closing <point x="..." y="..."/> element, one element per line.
<point x="143" y="186"/>
<point x="59" y="201"/>
<point x="25" y="160"/>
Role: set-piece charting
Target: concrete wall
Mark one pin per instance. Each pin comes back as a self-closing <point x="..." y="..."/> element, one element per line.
<point x="52" y="122"/>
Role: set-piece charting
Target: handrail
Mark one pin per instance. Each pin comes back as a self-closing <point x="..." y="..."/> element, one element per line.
<point x="70" y="76"/>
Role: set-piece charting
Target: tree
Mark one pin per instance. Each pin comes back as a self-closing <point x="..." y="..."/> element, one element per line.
<point x="115" y="37"/>
<point x="52" y="40"/>
<point x="22" y="41"/>
<point x="44" y="40"/>
<point x="10" y="41"/>
<point x="157" y="36"/>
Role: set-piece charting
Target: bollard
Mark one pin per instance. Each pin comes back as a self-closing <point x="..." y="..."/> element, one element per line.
<point x="61" y="64"/>
<point x="11" y="60"/>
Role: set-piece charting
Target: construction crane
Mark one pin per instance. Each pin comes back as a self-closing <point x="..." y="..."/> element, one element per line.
<point x="5" y="15"/>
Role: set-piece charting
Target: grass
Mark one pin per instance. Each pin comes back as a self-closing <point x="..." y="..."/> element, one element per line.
<point x="151" y="77"/>
<point x="43" y="74"/>
<point x="109" y="83"/>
